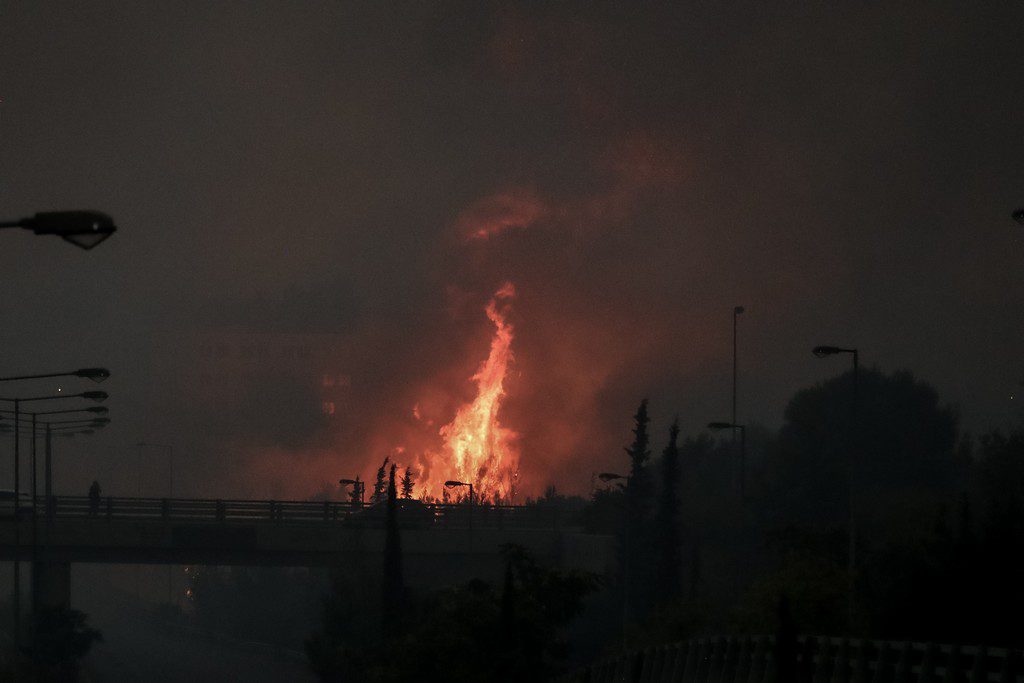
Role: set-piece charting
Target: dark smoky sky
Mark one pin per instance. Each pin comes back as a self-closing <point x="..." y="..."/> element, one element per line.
<point x="311" y="189"/>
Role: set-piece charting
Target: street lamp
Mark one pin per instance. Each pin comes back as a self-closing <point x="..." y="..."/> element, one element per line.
<point x="717" y="426"/>
<point x="451" y="484"/>
<point x="822" y="352"/>
<point x="97" y="410"/>
<point x="736" y="311"/>
<point x="92" y="395"/>
<point x="84" y="229"/>
<point x="626" y="539"/>
<point x="95" y="374"/>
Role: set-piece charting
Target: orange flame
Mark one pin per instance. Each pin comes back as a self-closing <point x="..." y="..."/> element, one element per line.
<point x="477" y="448"/>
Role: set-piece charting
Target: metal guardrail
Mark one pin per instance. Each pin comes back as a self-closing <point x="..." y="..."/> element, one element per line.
<point x="752" y="660"/>
<point x="410" y="513"/>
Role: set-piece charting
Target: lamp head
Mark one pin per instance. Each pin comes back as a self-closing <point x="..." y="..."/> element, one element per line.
<point x="822" y="351"/>
<point x="84" y="229"/>
<point x="1018" y="216"/>
<point x="98" y="396"/>
<point x="95" y="374"/>
<point x="451" y="483"/>
<point x="609" y="476"/>
<point x="720" y="425"/>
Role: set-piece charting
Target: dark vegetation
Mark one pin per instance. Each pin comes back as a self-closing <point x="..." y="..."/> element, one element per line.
<point x="939" y="522"/>
<point x="62" y="639"/>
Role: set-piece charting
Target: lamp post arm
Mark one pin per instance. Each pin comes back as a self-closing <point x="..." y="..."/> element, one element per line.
<point x="45" y="376"/>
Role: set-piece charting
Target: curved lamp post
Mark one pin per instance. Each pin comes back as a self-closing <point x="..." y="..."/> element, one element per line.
<point x="608" y="477"/>
<point x="84" y="229"/>
<point x="717" y="426"/>
<point x="451" y="484"/>
<point x="823" y="352"/>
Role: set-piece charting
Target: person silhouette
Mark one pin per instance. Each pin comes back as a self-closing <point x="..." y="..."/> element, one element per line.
<point x="94" y="498"/>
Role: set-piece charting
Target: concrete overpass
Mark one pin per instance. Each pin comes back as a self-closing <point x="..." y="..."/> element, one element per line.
<point x="441" y="543"/>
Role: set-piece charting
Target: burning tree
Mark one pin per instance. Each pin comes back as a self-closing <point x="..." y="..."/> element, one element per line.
<point x="477" y="448"/>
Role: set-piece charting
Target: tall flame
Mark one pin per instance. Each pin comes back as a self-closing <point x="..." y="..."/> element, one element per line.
<point x="477" y="448"/>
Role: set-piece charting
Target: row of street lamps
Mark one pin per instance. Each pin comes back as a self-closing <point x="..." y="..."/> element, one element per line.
<point x="25" y="421"/>
<point x="86" y="230"/>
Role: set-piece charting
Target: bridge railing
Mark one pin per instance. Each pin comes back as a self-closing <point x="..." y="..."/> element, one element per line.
<point x="752" y="660"/>
<point x="411" y="513"/>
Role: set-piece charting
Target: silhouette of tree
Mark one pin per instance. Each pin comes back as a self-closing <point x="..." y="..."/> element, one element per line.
<point x="354" y="495"/>
<point x="901" y="437"/>
<point x="380" y="484"/>
<point x="633" y="543"/>
<point x="462" y="633"/>
<point x="407" y="484"/>
<point x="62" y="639"/>
<point x="670" y="560"/>
<point x="393" y="583"/>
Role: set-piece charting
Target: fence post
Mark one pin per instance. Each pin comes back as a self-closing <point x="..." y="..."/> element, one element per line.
<point x="729" y="664"/>
<point x="841" y="665"/>
<point x="757" y="662"/>
<point x="860" y="665"/>
<point x="882" y="664"/>
<point x="903" y="666"/>
<point x="979" y="669"/>
<point x="805" y="663"/>
<point x="165" y="508"/>
<point x="704" y="663"/>
<point x="221" y="512"/>
<point x="1009" y="672"/>
<point x="928" y="665"/>
<point x="110" y="507"/>
<point x="674" y="667"/>
<point x="823" y="667"/>
<point x="742" y="672"/>
<point x="953" y="673"/>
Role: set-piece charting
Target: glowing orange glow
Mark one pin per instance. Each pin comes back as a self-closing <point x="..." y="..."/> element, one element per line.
<point x="477" y="448"/>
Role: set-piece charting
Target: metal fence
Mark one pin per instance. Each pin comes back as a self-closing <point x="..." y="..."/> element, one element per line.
<point x="411" y="513"/>
<point x="814" y="660"/>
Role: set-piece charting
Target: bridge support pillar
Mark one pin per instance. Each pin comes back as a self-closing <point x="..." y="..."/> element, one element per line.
<point x="52" y="584"/>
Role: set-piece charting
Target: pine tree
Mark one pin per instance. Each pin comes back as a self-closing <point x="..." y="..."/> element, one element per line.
<point x="378" y="486"/>
<point x="670" y="560"/>
<point x="407" y="484"/>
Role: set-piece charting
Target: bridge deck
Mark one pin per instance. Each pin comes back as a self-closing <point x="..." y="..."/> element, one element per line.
<point x="281" y="533"/>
